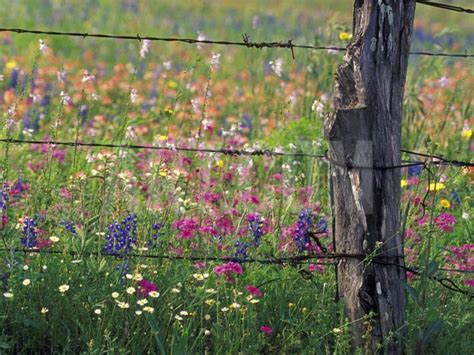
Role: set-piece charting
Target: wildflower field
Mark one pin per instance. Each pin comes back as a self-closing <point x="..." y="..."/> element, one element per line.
<point x="127" y="249"/>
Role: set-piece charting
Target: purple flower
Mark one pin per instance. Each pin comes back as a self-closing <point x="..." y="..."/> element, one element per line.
<point x="445" y="222"/>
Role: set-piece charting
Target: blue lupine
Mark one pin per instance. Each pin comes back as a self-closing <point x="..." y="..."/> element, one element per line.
<point x="456" y="198"/>
<point x="308" y="223"/>
<point x="156" y="230"/>
<point x="29" y="233"/>
<point x="414" y="170"/>
<point x="303" y="227"/>
<point x="121" y="237"/>
<point x="69" y="226"/>
<point x="3" y="200"/>
<point x="256" y="231"/>
<point x="14" y="78"/>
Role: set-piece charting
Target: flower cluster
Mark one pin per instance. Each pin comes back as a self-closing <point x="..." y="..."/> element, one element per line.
<point x="30" y="234"/>
<point x="186" y="227"/>
<point x="305" y="225"/>
<point x="256" y="231"/>
<point x="445" y="222"/>
<point x="228" y="270"/>
<point x="121" y="237"/>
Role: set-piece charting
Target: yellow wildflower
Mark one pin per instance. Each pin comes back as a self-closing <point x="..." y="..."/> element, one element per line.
<point x="168" y="111"/>
<point x="11" y="64"/>
<point x="172" y="84"/>
<point x="466" y="134"/>
<point x="220" y="164"/>
<point x="210" y="302"/>
<point x="26" y="282"/>
<point x="444" y="203"/>
<point x="436" y="186"/>
<point x="345" y="36"/>
<point x="403" y="183"/>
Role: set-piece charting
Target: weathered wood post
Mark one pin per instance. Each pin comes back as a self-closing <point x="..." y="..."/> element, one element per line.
<point x="365" y="131"/>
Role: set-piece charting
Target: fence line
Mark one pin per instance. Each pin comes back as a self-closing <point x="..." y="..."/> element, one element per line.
<point x="446" y="6"/>
<point x="433" y="159"/>
<point x="245" y="42"/>
<point x="291" y="261"/>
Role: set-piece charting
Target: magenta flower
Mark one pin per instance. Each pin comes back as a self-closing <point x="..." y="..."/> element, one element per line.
<point x="445" y="222"/>
<point x="315" y="267"/>
<point x="228" y="270"/>
<point x="145" y="287"/>
<point x="469" y="283"/>
<point x="254" y="290"/>
<point x="266" y="329"/>
<point x="186" y="227"/>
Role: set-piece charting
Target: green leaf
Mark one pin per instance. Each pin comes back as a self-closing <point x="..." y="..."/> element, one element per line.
<point x="156" y="332"/>
<point x="433" y="329"/>
<point x="413" y="293"/>
<point x="433" y="267"/>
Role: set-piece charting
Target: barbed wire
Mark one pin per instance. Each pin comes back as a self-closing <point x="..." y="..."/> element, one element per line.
<point x="446" y="6"/>
<point x="379" y="259"/>
<point x="245" y="42"/>
<point x="433" y="159"/>
<point x="231" y="152"/>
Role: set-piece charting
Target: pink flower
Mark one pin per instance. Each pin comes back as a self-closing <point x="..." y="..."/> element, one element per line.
<point x="145" y="287"/>
<point x="199" y="264"/>
<point x="469" y="283"/>
<point x="445" y="222"/>
<point x="186" y="227"/>
<point x="315" y="267"/>
<point x="228" y="269"/>
<point x="42" y="243"/>
<point x="266" y="329"/>
<point x="254" y="290"/>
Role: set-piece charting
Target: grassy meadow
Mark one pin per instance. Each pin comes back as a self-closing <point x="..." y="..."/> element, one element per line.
<point x="184" y="209"/>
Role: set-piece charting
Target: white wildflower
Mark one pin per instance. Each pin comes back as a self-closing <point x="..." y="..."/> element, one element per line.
<point x="145" y="48"/>
<point x="43" y="47"/>
<point x="130" y="133"/>
<point x="65" y="98"/>
<point x="443" y="82"/>
<point x="317" y="106"/>
<point x="215" y="61"/>
<point x="277" y="66"/>
<point x="133" y="95"/>
<point x="167" y="65"/>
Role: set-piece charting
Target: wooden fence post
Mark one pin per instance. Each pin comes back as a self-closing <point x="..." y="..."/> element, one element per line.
<point x="365" y="131"/>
